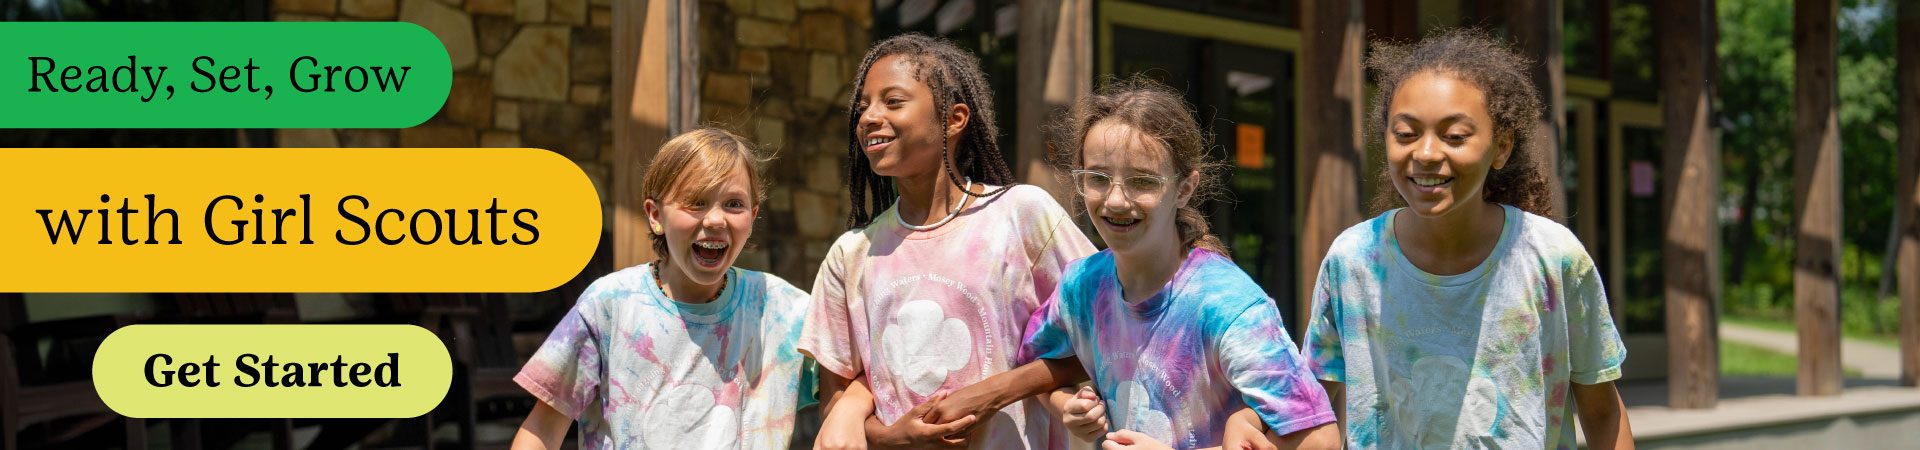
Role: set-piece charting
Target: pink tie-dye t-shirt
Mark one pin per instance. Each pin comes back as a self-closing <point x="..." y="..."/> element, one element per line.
<point x="638" y="370"/>
<point x="1176" y="365"/>
<point x="926" y="312"/>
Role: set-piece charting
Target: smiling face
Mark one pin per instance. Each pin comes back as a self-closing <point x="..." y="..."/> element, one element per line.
<point x="1139" y="212"/>
<point x="1441" y="144"/>
<point x="705" y="230"/>
<point x="899" y="124"/>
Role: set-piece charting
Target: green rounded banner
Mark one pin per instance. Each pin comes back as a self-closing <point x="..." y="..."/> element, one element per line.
<point x="220" y="75"/>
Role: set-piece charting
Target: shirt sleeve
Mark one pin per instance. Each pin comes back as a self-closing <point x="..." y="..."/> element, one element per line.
<point x="1047" y="333"/>
<point x="1594" y="345"/>
<point x="827" y="335"/>
<point x="1323" y="332"/>
<point x="1062" y="244"/>
<point x="567" y="370"/>
<point x="1259" y="359"/>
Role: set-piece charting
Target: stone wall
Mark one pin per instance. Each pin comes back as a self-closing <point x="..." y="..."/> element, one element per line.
<point x="537" y="73"/>
<point x="780" y="72"/>
<point x="526" y="73"/>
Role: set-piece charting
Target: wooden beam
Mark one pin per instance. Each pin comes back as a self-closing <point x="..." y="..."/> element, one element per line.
<point x="1908" y="202"/>
<point x="641" y="109"/>
<point x="1816" y="196"/>
<point x="1536" y="30"/>
<point x="1690" y="181"/>
<point x="1056" y="35"/>
<point x="1331" y="158"/>
<point x="683" y="66"/>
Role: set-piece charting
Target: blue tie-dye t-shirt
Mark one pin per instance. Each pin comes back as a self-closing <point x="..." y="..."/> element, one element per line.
<point x="1482" y="359"/>
<point x="1176" y="365"/>
<point x="638" y="370"/>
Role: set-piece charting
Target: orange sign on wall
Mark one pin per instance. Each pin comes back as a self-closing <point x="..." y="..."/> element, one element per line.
<point x="1252" y="146"/>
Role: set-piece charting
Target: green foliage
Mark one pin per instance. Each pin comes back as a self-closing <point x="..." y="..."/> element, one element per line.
<point x="1868" y="114"/>
<point x="1633" y="49"/>
<point x="1757" y="140"/>
<point x="1756" y="109"/>
<point x="1863" y="312"/>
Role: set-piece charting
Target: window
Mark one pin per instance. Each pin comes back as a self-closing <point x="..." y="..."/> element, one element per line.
<point x="1644" y="301"/>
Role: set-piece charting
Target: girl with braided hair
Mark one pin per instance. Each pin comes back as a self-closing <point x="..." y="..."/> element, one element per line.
<point x="946" y="260"/>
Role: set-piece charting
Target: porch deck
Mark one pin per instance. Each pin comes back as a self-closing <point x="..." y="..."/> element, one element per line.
<point x="1757" y="413"/>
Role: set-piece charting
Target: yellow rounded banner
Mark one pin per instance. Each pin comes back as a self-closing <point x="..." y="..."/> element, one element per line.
<point x="293" y="220"/>
<point x="271" y="371"/>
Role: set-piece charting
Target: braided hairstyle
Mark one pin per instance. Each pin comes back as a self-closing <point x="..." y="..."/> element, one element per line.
<point x="1479" y="59"/>
<point x="954" y="76"/>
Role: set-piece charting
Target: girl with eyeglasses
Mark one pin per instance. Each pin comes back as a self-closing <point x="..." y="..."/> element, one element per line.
<point x="1183" y="348"/>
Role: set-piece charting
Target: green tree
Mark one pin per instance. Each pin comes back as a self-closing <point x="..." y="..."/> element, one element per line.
<point x="1756" y="107"/>
<point x="1756" y="124"/>
<point x="1869" y="111"/>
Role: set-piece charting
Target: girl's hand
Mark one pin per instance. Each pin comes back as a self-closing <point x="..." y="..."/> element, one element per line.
<point x="976" y="400"/>
<point x="913" y="431"/>
<point x="1131" y="440"/>
<point x="1085" y="415"/>
<point x="1245" y="431"/>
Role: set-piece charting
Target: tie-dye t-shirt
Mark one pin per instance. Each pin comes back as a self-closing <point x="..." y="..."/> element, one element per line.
<point x="928" y="312"/>
<point x="1481" y="359"/>
<point x="1175" y="365"/>
<point x="637" y="369"/>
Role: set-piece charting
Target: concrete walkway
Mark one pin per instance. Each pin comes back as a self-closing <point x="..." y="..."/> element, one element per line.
<point x="1762" y="413"/>
<point x="1872" y="359"/>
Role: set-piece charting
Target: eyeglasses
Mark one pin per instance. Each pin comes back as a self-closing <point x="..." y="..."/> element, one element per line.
<point x="1094" y="184"/>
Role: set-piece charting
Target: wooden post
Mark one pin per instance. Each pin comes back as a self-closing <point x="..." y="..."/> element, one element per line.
<point x="1816" y="196"/>
<point x="1056" y="35"/>
<point x="1908" y="78"/>
<point x="641" y="110"/>
<point x="1331" y="157"/>
<point x="1690" y="178"/>
<point x="1536" y="30"/>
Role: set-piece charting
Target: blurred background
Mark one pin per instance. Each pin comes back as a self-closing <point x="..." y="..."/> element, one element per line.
<point x="1743" y="172"/>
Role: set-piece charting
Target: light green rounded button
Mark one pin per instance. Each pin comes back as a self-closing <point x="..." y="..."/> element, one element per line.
<point x="272" y="371"/>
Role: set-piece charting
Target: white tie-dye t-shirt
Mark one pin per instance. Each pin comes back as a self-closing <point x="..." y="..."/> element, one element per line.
<point x="1482" y="359"/>
<point x="928" y="312"/>
<point x="1175" y="365"/>
<point x="636" y="369"/>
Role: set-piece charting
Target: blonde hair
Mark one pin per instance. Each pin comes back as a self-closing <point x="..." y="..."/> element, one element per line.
<point x="697" y="161"/>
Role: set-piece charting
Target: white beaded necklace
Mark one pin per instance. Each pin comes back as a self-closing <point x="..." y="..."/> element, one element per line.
<point x="964" y="196"/>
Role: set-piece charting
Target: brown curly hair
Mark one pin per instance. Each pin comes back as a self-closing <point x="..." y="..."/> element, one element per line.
<point x="1158" y="112"/>
<point x="1477" y="58"/>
